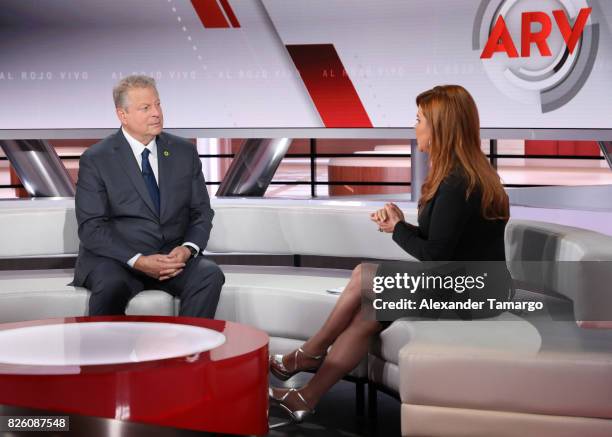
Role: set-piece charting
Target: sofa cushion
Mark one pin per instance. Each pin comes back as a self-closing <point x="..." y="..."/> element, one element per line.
<point x="54" y="222"/>
<point x="421" y="420"/>
<point x="147" y="302"/>
<point x="313" y="227"/>
<point x="17" y="307"/>
<point x="30" y="281"/>
<point x="29" y="295"/>
<point x="43" y="294"/>
<point x="317" y="227"/>
<point x="507" y="329"/>
<point x="530" y="240"/>
<point x="562" y="383"/>
<point x="283" y="301"/>
<point x="286" y="302"/>
<point x="561" y="259"/>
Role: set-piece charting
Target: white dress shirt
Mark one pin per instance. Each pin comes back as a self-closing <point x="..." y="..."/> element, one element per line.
<point x="137" y="149"/>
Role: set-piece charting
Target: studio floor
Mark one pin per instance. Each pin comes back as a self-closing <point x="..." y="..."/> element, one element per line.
<point x="336" y="415"/>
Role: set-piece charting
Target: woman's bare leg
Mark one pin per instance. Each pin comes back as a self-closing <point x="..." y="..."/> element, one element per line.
<point x="348" y="304"/>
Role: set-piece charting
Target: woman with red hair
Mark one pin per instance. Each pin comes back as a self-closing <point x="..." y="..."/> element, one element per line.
<point x="463" y="211"/>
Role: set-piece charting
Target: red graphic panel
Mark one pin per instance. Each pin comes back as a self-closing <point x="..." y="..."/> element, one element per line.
<point x="329" y="85"/>
<point x="210" y="14"/>
<point x="230" y="13"/>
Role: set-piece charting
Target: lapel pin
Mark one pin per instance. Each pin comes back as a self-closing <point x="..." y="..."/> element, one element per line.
<point x="166" y="153"/>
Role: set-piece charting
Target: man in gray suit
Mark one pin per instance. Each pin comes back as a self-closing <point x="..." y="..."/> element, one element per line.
<point x="143" y="212"/>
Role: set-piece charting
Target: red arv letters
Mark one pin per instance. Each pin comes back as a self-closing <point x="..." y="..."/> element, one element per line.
<point x="500" y="39"/>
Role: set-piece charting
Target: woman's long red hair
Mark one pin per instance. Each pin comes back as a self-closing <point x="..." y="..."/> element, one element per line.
<point x="455" y="144"/>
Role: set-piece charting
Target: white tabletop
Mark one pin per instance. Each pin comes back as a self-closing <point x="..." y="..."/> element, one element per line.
<point x="97" y="343"/>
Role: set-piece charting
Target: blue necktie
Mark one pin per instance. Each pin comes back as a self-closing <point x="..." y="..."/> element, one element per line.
<point x="149" y="178"/>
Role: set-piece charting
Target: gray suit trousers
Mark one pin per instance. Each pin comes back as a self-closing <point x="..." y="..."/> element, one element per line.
<point x="113" y="284"/>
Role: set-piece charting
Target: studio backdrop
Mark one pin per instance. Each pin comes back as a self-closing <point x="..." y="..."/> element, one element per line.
<point x="306" y="64"/>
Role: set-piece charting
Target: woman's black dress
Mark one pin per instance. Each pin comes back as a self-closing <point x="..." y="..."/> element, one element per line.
<point x="451" y="228"/>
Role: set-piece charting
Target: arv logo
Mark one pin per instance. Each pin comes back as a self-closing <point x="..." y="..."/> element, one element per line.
<point x="500" y="39"/>
<point x="537" y="52"/>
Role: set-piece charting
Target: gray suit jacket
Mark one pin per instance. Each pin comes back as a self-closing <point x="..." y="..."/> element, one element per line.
<point x="115" y="213"/>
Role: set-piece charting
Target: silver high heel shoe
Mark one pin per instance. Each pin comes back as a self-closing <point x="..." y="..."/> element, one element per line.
<point x="279" y="370"/>
<point x="296" y="416"/>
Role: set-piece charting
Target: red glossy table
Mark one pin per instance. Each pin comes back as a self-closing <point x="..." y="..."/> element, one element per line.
<point x="223" y="389"/>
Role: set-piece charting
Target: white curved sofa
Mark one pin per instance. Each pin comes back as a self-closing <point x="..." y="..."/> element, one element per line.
<point x="270" y="298"/>
<point x="492" y="377"/>
<point x="481" y="380"/>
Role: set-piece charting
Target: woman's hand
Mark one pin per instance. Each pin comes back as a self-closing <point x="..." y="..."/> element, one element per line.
<point x="394" y="212"/>
<point x="379" y="216"/>
<point x="387" y="217"/>
<point x="394" y="216"/>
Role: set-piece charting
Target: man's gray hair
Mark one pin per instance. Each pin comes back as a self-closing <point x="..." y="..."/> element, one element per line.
<point x="134" y="81"/>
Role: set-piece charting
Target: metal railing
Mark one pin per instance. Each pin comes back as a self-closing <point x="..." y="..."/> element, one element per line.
<point x="314" y="155"/>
